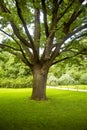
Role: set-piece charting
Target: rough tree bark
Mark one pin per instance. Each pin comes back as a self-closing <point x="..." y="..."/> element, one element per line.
<point x="39" y="82"/>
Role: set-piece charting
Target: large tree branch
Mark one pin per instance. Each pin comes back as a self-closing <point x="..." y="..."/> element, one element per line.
<point x="54" y="15"/>
<point x="60" y="60"/>
<point x="26" y="30"/>
<point x="23" y="22"/>
<point x="45" y="18"/>
<point x="77" y="30"/>
<point x="55" y="19"/>
<point x="2" y="46"/>
<point x="17" y="33"/>
<point x="28" y="53"/>
<point x="11" y="36"/>
<point x="49" y="41"/>
<point x="3" y="7"/>
<point x="82" y="51"/>
<point x="14" y="27"/>
<point x="57" y="47"/>
<point x="77" y="12"/>
<point x="37" y="29"/>
<point x="12" y="49"/>
<point x="21" y="57"/>
<point x="6" y="33"/>
<point x="78" y="37"/>
<point x="65" y="58"/>
<point x="16" y="52"/>
<point x="73" y="17"/>
<point x="25" y="58"/>
<point x="65" y="11"/>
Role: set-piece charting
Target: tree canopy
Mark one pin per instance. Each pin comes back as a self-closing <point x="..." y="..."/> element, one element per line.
<point x="53" y="26"/>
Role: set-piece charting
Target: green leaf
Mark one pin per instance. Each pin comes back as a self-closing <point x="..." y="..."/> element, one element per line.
<point x="66" y="1"/>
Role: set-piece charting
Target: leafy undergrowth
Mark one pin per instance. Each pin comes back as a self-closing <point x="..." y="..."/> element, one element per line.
<point x="64" y="110"/>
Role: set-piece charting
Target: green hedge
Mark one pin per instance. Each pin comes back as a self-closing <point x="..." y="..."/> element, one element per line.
<point x="16" y="83"/>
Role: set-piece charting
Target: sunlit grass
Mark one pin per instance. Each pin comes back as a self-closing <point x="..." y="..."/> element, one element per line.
<point x="64" y="110"/>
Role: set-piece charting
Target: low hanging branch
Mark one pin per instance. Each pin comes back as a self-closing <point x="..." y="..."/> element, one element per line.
<point x="65" y="58"/>
<point x="3" y="46"/>
<point x="20" y="56"/>
<point x="15" y="51"/>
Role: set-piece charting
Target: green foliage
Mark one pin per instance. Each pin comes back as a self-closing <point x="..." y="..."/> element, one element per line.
<point x="16" y="83"/>
<point x="66" y="1"/>
<point x="66" y="79"/>
<point x="52" y="80"/>
<point x="68" y="72"/>
<point x="11" y="67"/>
<point x="83" y="78"/>
<point x="14" y="74"/>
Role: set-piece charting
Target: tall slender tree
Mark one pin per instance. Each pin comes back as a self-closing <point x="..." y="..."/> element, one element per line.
<point x="42" y="33"/>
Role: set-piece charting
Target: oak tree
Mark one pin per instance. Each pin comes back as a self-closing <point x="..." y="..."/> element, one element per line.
<point x="42" y="33"/>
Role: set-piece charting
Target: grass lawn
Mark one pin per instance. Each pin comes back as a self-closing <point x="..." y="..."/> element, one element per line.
<point x="64" y="110"/>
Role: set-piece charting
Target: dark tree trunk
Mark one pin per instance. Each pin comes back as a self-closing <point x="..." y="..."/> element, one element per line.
<point x="39" y="83"/>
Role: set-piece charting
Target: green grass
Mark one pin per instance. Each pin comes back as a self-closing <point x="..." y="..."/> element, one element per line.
<point x="64" y="110"/>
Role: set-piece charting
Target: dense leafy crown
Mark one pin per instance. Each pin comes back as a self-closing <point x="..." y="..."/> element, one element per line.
<point x="39" y="31"/>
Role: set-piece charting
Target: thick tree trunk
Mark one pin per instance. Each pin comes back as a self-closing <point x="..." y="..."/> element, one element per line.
<point x="39" y="83"/>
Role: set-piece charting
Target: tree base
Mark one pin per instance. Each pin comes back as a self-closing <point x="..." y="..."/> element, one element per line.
<point x="38" y="99"/>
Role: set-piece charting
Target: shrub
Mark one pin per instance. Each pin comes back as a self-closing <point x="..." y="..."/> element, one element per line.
<point x="52" y="80"/>
<point x="66" y="79"/>
<point x="83" y="79"/>
<point x="16" y="83"/>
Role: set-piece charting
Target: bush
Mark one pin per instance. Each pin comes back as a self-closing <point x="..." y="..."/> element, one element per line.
<point x="66" y="79"/>
<point x="75" y="74"/>
<point x="52" y="80"/>
<point x="16" y="83"/>
<point x="83" y="79"/>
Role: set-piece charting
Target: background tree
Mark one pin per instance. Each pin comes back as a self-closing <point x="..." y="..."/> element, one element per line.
<point x="52" y="37"/>
<point x="11" y="67"/>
